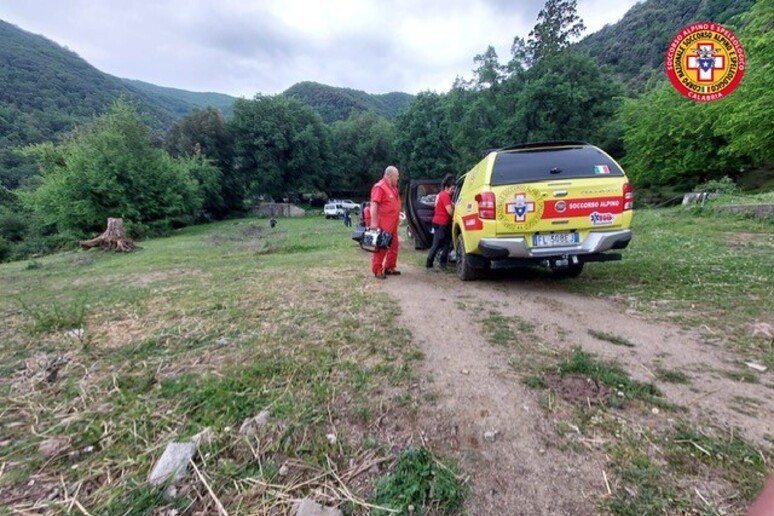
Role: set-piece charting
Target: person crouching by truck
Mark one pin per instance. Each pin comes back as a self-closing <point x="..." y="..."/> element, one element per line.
<point x="385" y="215"/>
<point x="442" y="217"/>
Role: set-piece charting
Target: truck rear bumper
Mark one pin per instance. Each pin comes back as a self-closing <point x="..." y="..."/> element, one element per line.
<point x="516" y="247"/>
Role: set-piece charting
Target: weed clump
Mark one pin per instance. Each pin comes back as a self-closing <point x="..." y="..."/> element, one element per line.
<point x="420" y="481"/>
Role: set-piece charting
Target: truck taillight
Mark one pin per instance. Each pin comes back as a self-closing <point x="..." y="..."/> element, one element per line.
<point x="486" y="205"/>
<point x="628" y="197"/>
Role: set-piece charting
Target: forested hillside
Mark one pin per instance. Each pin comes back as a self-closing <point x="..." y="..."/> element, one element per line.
<point x="336" y="104"/>
<point x="46" y="90"/>
<point x="182" y="102"/>
<point x="634" y="47"/>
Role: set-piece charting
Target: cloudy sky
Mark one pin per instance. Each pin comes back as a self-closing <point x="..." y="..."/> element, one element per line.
<point x="244" y="47"/>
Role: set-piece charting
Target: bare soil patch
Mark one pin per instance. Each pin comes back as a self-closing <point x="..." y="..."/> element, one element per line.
<point x="577" y="389"/>
<point x="525" y="469"/>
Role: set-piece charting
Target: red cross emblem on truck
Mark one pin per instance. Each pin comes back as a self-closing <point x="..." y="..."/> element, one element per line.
<point x="705" y="62"/>
<point x="520" y="207"/>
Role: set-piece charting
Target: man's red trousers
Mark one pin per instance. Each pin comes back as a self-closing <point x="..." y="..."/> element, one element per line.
<point x="386" y="259"/>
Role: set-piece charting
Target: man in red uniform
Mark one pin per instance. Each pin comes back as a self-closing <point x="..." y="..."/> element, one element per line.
<point x="385" y="215"/>
<point x="442" y="225"/>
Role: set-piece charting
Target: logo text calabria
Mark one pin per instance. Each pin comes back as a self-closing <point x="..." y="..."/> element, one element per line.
<point x="705" y="61"/>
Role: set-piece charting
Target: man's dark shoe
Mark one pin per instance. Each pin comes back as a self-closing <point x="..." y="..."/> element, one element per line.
<point x="430" y="269"/>
<point x="380" y="276"/>
<point x="392" y="272"/>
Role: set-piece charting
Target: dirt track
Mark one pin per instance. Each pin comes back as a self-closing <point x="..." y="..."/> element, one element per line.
<point x="526" y="470"/>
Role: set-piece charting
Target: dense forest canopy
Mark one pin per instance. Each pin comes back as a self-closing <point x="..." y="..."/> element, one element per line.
<point x="92" y="158"/>
<point x="634" y="47"/>
<point x="337" y="104"/>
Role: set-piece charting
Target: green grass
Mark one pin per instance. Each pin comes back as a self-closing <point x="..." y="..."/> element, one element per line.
<point x="739" y="198"/>
<point x="742" y="376"/>
<point x="46" y="318"/>
<point x="612" y="339"/>
<point x="497" y="329"/>
<point x="507" y="331"/>
<point x="672" y="376"/>
<point x="661" y="472"/>
<point x="648" y="490"/>
<point x="206" y="327"/>
<point x="697" y="268"/>
<point x="419" y="480"/>
<point x="727" y="455"/>
<point x="533" y="382"/>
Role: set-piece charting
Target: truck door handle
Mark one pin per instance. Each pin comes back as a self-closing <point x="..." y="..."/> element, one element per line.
<point x="560" y="193"/>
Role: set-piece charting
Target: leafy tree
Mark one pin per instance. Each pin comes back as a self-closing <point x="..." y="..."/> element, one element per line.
<point x="13" y="221"/>
<point x="280" y="146"/>
<point x="520" y="57"/>
<point x="204" y="134"/>
<point x="747" y="120"/>
<point x="363" y="146"/>
<point x="110" y="169"/>
<point x="422" y="138"/>
<point x="558" y="22"/>
<point x="489" y="72"/>
<point x="671" y="140"/>
<point x="564" y="99"/>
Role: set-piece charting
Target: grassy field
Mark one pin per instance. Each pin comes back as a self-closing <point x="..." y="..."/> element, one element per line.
<point x="706" y="271"/>
<point x="108" y="357"/>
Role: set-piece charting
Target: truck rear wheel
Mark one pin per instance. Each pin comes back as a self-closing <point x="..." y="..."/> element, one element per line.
<point x="465" y="271"/>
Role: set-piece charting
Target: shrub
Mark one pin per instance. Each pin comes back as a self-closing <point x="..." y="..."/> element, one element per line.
<point x="724" y="185"/>
<point x="13" y="225"/>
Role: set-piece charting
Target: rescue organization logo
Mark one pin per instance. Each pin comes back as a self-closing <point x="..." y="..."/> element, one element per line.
<point x="522" y="207"/>
<point x="705" y="62"/>
<point x="601" y="219"/>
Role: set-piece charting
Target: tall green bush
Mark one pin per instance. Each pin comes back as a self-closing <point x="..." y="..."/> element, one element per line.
<point x="111" y="169"/>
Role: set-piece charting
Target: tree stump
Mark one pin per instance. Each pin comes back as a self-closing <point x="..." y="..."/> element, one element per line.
<point x="114" y="238"/>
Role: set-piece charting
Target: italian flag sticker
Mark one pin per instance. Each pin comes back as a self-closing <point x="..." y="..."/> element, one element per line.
<point x="601" y="169"/>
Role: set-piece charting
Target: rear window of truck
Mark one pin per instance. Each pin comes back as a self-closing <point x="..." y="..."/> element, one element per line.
<point x="551" y="165"/>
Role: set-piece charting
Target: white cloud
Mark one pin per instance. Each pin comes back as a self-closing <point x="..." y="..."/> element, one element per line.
<point x="247" y="47"/>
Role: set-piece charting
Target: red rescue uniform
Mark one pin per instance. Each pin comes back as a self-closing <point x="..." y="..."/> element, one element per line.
<point x="367" y="216"/>
<point x="387" y="199"/>
<point x="440" y="215"/>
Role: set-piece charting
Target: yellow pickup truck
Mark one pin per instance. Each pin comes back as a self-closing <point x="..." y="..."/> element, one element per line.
<point x="555" y="204"/>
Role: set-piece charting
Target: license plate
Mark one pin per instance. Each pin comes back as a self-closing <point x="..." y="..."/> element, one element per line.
<point x="555" y="239"/>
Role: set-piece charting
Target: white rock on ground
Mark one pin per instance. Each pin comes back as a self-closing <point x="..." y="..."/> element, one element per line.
<point x="491" y="435"/>
<point x="308" y="507"/>
<point x="173" y="463"/>
<point x="251" y="425"/>
<point x="758" y="367"/>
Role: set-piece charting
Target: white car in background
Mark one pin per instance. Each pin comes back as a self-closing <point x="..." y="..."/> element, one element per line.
<point x="333" y="210"/>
